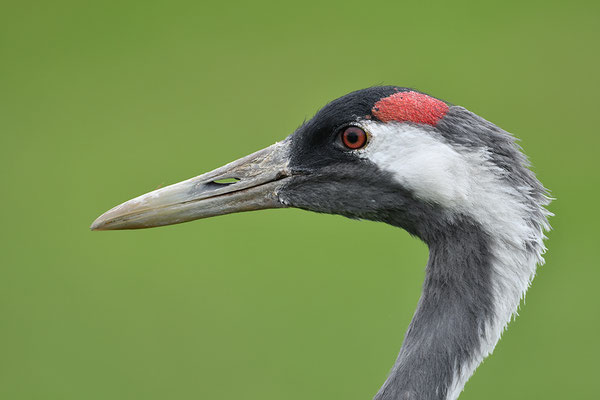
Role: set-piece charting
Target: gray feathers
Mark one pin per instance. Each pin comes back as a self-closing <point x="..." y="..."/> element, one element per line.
<point x="485" y="234"/>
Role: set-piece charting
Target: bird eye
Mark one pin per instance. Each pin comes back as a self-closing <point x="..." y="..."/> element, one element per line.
<point x="354" y="138"/>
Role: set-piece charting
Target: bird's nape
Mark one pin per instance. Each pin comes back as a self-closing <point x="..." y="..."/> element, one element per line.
<point x="402" y="157"/>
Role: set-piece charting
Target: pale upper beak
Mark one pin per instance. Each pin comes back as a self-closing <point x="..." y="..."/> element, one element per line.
<point x="256" y="180"/>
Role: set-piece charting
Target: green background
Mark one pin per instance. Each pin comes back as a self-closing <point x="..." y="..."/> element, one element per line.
<point x="102" y="102"/>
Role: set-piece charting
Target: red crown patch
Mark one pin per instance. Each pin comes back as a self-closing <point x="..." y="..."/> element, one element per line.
<point x="410" y="107"/>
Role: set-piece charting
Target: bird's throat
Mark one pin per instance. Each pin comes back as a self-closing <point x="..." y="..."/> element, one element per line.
<point x="446" y="330"/>
<point x="456" y="324"/>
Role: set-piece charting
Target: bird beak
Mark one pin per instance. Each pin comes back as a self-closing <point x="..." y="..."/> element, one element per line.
<point x="253" y="182"/>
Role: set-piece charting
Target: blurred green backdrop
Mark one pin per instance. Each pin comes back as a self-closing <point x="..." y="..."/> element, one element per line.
<point x="102" y="102"/>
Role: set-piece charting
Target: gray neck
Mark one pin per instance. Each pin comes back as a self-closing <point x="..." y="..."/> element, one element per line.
<point x="445" y="336"/>
<point x="479" y="266"/>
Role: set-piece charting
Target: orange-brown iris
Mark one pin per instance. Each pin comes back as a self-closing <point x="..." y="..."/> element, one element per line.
<point x="354" y="138"/>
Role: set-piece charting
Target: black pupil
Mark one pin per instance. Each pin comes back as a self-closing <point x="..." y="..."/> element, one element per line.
<point x="352" y="136"/>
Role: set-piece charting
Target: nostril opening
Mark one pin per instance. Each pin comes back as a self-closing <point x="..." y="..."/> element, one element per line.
<point x="226" y="181"/>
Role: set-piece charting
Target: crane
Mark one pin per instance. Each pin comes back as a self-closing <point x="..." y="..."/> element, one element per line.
<point x="396" y="155"/>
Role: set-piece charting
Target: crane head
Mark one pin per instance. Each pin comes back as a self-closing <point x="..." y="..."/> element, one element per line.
<point x="385" y="153"/>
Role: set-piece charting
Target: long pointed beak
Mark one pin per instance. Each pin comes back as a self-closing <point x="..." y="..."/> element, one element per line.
<point x="251" y="184"/>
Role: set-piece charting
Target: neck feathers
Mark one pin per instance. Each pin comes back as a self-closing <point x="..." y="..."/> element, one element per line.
<point x="473" y="286"/>
<point x="485" y="244"/>
<point x="450" y="323"/>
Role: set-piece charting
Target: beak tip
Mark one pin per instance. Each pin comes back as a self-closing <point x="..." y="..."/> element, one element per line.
<point x="102" y="223"/>
<point x="96" y="225"/>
